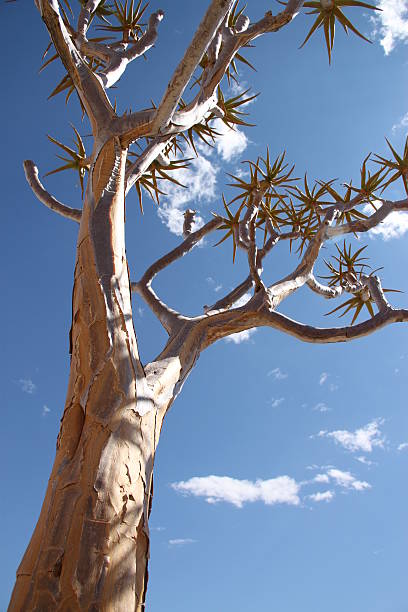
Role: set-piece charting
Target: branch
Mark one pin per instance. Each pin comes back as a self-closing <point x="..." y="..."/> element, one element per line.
<point x="303" y="272"/>
<point x="31" y="173"/>
<point x="233" y="296"/>
<point x="118" y="56"/>
<point x="324" y="290"/>
<point x="221" y="325"/>
<point x="206" y="31"/>
<point x="373" y="284"/>
<point x="88" y="86"/>
<point x="139" y="167"/>
<point x="169" y="318"/>
<point x="363" y="225"/>
<point x="85" y="15"/>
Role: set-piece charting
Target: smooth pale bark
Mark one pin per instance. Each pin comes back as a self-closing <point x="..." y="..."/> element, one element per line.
<point x="90" y="548"/>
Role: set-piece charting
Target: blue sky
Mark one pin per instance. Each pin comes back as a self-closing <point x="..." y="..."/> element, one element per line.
<point x="280" y="480"/>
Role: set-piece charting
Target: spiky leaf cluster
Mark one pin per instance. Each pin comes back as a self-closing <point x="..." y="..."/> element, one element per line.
<point x="328" y="13"/>
<point x="76" y="160"/>
<point x="152" y="181"/>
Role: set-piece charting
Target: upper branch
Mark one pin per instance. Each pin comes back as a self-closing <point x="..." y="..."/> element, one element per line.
<point x="118" y="55"/>
<point x="31" y="172"/>
<point x="206" y="31"/>
<point x="363" y="225"/>
<point x="87" y="84"/>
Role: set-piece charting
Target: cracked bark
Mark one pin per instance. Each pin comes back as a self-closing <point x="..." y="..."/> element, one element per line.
<point x="90" y="548"/>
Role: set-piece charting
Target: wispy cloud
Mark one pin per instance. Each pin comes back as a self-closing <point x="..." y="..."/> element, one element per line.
<point x="280" y="490"/>
<point x="321" y="407"/>
<point x="323" y="377"/>
<point x="391" y="24"/>
<point x="200" y="181"/>
<point x="27" y="385"/>
<point x="347" y="480"/>
<point x="275" y="402"/>
<point x="45" y="410"/>
<point x="402" y="446"/>
<point x="181" y="541"/>
<point x="277" y="374"/>
<point x="364" y="460"/>
<point x="212" y="283"/>
<point x="362" y="439"/>
<point x="326" y="496"/>
<point x="401" y="124"/>
<point x="320" y="477"/>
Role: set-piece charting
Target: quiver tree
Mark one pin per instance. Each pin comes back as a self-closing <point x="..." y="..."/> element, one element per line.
<point x="90" y="548"/>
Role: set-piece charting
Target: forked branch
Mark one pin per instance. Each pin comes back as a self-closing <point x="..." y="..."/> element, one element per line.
<point x="169" y="318"/>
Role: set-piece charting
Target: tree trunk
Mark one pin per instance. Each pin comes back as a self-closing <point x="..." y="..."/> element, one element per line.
<point x="90" y="548"/>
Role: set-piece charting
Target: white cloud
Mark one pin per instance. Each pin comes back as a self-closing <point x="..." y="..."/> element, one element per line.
<point x="333" y="387"/>
<point x="242" y="336"/>
<point x="347" y="480"/>
<point x="321" y="407"/>
<point x="275" y="402"/>
<point x="200" y="181"/>
<point x="393" y="226"/>
<point x="216" y="287"/>
<point x="280" y="490"/>
<point x="245" y="335"/>
<point x="402" y="446"/>
<point x="326" y="496"/>
<point x="242" y="300"/>
<point x="364" y="460"/>
<point x="323" y="377"/>
<point x="27" y="385"/>
<point x="277" y="374"/>
<point x="402" y="123"/>
<point x="231" y="143"/>
<point x="45" y="410"/>
<point x="391" y="23"/>
<point x="320" y="477"/>
<point x="181" y="541"/>
<point x="362" y="439"/>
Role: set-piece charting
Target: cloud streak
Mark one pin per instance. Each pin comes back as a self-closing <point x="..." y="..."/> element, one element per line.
<point x="363" y="439"/>
<point x="277" y="374"/>
<point x="27" y="385"/>
<point x="279" y="490"/>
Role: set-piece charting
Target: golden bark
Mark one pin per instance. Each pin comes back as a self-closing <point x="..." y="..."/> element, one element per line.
<point x="90" y="548"/>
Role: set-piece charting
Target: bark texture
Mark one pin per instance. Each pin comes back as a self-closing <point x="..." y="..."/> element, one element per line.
<point x="90" y="547"/>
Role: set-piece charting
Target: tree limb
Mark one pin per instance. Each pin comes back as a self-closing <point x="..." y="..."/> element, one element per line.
<point x="363" y="225"/>
<point x="224" y="324"/>
<point x="324" y="290"/>
<point x="170" y="319"/>
<point x="118" y="55"/>
<point x="206" y="31"/>
<point x="87" y="84"/>
<point x="31" y="173"/>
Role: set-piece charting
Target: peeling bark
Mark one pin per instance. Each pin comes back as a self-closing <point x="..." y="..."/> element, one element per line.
<point x="90" y="548"/>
